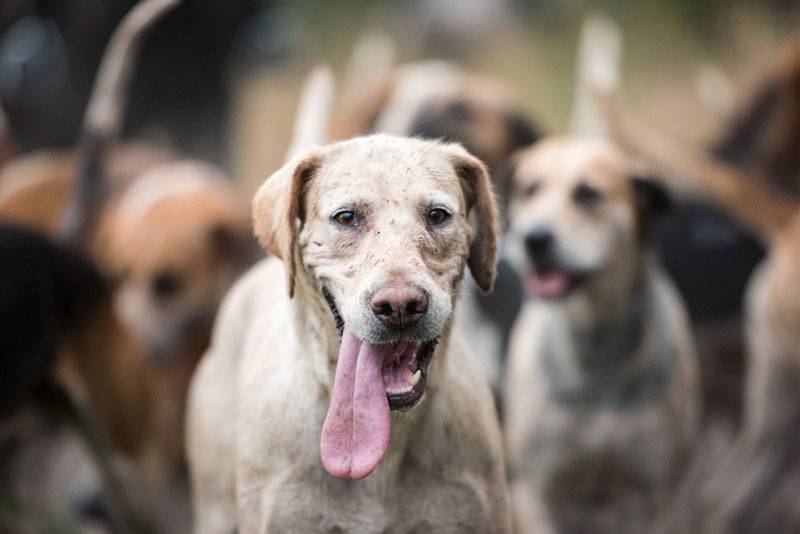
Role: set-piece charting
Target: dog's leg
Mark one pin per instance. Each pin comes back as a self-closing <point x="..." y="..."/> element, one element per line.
<point x="124" y="517"/>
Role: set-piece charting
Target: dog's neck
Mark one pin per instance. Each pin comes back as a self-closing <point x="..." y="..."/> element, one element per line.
<point x="607" y="300"/>
<point x="315" y="331"/>
<point x="602" y="360"/>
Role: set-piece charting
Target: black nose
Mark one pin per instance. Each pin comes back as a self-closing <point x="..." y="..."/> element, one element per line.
<point x="399" y="306"/>
<point x="538" y="242"/>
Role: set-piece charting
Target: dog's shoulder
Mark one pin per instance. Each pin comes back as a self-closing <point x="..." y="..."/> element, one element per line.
<point x="468" y="406"/>
<point x="673" y="323"/>
<point x="254" y="294"/>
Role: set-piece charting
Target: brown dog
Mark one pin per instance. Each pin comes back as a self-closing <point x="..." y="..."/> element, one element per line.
<point x="749" y="484"/>
<point x="374" y="234"/>
<point x="601" y="391"/>
<point x="172" y="236"/>
<point x="762" y="139"/>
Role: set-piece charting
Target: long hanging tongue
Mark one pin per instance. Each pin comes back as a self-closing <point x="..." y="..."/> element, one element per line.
<point x="356" y="431"/>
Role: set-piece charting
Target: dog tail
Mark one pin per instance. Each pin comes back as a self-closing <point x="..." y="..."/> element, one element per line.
<point x="371" y="62"/>
<point x="103" y="117"/>
<point x="690" y="172"/>
<point x="314" y="112"/>
<point x="597" y="70"/>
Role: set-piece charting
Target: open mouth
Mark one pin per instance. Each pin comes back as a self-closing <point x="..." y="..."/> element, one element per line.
<point x="371" y="380"/>
<point x="404" y="366"/>
<point x="552" y="283"/>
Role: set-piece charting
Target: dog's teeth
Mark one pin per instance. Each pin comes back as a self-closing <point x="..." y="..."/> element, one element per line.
<point x="398" y="391"/>
<point x="415" y="377"/>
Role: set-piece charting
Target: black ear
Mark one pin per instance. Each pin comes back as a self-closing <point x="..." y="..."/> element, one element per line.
<point x="234" y="244"/>
<point x="504" y="186"/>
<point x="651" y="197"/>
<point x="652" y="200"/>
<point x="522" y="132"/>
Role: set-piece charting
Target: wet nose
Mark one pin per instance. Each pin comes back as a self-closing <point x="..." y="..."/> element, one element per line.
<point x="538" y="242"/>
<point x="399" y="306"/>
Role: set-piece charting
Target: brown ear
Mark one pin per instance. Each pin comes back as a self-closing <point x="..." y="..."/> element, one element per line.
<point x="277" y="208"/>
<point x="477" y="187"/>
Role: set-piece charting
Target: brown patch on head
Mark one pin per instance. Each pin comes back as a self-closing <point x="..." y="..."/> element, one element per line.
<point x="577" y="207"/>
<point x="568" y="163"/>
<point x="482" y="117"/>
<point x="175" y="241"/>
<point x="34" y="189"/>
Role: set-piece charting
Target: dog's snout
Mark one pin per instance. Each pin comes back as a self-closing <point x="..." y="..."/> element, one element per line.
<point x="538" y="242"/>
<point x="399" y="306"/>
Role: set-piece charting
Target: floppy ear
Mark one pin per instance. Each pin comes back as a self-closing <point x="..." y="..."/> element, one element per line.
<point x="477" y="187"/>
<point x="277" y="208"/>
<point x="651" y="200"/>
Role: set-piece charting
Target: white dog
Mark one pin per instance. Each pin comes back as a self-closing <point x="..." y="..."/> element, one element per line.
<point x="338" y="366"/>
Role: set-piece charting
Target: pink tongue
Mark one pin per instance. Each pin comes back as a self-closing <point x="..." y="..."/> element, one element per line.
<point x="550" y="285"/>
<point x="356" y="431"/>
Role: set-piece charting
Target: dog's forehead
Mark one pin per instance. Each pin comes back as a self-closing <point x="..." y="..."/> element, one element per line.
<point x="566" y="161"/>
<point x="386" y="166"/>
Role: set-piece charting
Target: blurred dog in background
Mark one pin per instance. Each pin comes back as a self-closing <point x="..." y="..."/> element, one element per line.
<point x="746" y="482"/>
<point x="602" y="399"/>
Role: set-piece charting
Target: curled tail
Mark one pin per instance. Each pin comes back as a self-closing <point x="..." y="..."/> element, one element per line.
<point x="103" y="117"/>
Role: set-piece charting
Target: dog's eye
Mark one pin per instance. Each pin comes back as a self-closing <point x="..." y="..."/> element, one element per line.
<point x="437" y="216"/>
<point x="166" y="284"/>
<point x="586" y="195"/>
<point x="529" y="190"/>
<point x="345" y="217"/>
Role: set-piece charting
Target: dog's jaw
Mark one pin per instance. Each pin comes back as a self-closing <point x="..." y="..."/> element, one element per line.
<point x="405" y="371"/>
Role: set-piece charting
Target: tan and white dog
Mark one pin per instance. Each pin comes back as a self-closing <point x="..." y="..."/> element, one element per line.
<point x="602" y="394"/>
<point x="333" y="398"/>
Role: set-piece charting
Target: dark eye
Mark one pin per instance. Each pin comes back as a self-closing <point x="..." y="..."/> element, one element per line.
<point x="586" y="195"/>
<point x="166" y="284"/>
<point x="529" y="190"/>
<point x="345" y="217"/>
<point x="437" y="216"/>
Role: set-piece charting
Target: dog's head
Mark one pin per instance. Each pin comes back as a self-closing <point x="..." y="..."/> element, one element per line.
<point x="485" y="120"/>
<point x="488" y="126"/>
<point x="174" y="242"/>
<point x="378" y="230"/>
<point x="578" y="215"/>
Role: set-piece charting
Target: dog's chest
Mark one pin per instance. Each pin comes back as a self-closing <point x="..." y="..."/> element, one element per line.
<point x="609" y="462"/>
<point x="412" y="506"/>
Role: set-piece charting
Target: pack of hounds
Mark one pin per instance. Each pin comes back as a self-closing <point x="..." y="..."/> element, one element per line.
<point x="432" y="318"/>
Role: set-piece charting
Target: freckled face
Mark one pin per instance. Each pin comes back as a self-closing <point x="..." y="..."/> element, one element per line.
<point x="370" y="223"/>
